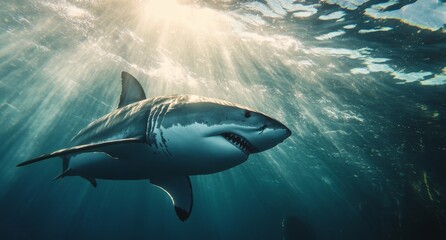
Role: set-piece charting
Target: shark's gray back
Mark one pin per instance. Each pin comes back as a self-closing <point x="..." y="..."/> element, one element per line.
<point x="127" y="122"/>
<point x="140" y="118"/>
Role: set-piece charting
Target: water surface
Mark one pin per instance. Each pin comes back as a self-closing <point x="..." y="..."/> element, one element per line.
<point x="361" y="84"/>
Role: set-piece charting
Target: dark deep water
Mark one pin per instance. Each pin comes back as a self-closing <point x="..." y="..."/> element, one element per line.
<point x="362" y="85"/>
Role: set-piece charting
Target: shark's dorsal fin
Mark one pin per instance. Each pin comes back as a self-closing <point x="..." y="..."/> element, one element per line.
<point x="131" y="90"/>
<point x="179" y="189"/>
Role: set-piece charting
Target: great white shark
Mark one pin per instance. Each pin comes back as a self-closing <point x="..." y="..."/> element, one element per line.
<point x="165" y="140"/>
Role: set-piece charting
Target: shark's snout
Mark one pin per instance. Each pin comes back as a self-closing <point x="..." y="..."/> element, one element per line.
<point x="287" y="131"/>
<point x="282" y="132"/>
<point x="269" y="135"/>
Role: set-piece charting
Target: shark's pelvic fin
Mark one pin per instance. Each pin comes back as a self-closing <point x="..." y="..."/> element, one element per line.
<point x="179" y="189"/>
<point x="91" y="180"/>
<point x="94" y="147"/>
<point x="132" y="90"/>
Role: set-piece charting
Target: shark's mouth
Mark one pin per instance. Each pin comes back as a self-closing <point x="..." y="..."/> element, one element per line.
<point x="240" y="142"/>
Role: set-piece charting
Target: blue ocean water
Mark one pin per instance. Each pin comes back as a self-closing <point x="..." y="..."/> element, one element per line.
<point x="362" y="85"/>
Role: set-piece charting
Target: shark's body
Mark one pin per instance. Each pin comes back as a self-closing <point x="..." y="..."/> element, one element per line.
<point x="167" y="139"/>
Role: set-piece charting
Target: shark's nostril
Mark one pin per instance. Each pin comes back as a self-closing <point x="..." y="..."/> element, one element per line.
<point x="263" y="128"/>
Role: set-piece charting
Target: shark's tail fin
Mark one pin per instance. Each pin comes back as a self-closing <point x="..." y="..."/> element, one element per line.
<point x="63" y="174"/>
<point x="65" y="161"/>
<point x="94" y="147"/>
<point x="65" y="169"/>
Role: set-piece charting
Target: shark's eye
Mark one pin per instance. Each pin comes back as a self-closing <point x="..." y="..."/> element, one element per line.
<point x="247" y="114"/>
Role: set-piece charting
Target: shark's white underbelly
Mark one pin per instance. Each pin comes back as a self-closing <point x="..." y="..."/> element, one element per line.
<point x="139" y="161"/>
<point x="132" y="161"/>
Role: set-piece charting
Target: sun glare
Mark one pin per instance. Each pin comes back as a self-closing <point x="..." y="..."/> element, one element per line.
<point x="173" y="12"/>
<point x="166" y="10"/>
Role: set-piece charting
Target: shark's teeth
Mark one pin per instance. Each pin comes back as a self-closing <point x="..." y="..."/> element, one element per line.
<point x="239" y="142"/>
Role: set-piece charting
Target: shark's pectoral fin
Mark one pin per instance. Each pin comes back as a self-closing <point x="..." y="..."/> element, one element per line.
<point x="179" y="189"/>
<point x="131" y="90"/>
